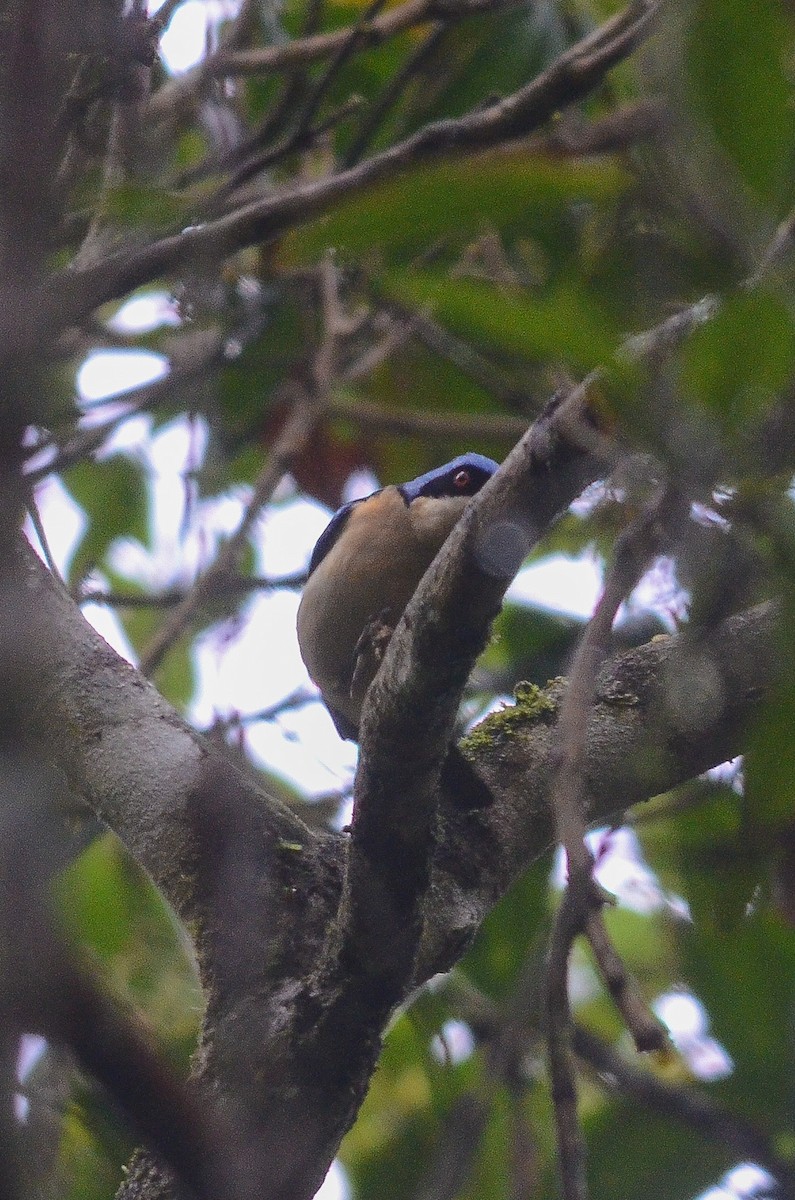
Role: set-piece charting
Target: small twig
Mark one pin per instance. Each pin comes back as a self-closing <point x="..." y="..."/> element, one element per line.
<point x="648" y="1032"/>
<point x="123" y="136"/>
<point x="232" y="586"/>
<point x="683" y="1104"/>
<point x="301" y="138"/>
<point x="296" y="699"/>
<point x="90" y="251"/>
<point x="305" y="132"/>
<point x="557" y="1027"/>
<point x="164" y="14"/>
<point x="396" y="336"/>
<point x="392" y="93"/>
<point x="779" y="249"/>
<point x="289" y="444"/>
<point x="580" y="910"/>
<point x="308" y="408"/>
<point x="69" y="296"/>
<point x="461" y="355"/>
<point x="356" y="37"/>
<point x="41" y="534"/>
<point x="458" y="1144"/>
<point x="478" y="426"/>
<point x="322" y="45"/>
<point x="290" y="100"/>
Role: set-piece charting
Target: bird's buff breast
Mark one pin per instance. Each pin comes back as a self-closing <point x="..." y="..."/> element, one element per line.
<point x="376" y="565"/>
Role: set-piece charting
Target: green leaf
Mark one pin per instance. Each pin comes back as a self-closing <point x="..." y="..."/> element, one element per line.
<point x="710" y="852"/>
<point x="746" y="981"/>
<point x="770" y="759"/>
<point x="563" y="324"/>
<point x="110" y="905"/>
<point x="114" y="496"/>
<point x="739" y="72"/>
<point x="452" y="201"/>
<point x="134" y="204"/>
<point x="633" y="1152"/>
<point x="531" y="643"/>
<point x="509" y="931"/>
<point x="737" y="364"/>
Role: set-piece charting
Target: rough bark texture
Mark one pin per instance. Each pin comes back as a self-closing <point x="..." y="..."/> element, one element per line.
<point x="260" y="892"/>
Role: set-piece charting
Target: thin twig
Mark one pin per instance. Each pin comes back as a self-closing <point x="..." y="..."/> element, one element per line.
<point x="123" y="137"/>
<point x="647" y="1031"/>
<point x="41" y="534"/>
<point x="289" y="101"/>
<point x="298" y="698"/>
<point x="373" y="32"/>
<point x="232" y="586"/>
<point x="393" y="91"/>
<point x="419" y="422"/>
<point x="463" y="356"/>
<point x="580" y="910"/>
<point x="289" y="444"/>
<point x="557" y="1026"/>
<point x="69" y="296"/>
<point x="356" y="38"/>
<point x="691" y="1108"/>
<point x="309" y="406"/>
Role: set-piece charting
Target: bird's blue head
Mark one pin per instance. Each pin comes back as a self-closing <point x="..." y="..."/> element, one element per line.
<point x="464" y="476"/>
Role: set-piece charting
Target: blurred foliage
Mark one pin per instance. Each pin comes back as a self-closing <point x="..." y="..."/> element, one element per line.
<point x="521" y="267"/>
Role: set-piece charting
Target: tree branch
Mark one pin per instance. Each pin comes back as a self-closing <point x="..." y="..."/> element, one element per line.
<point x="70" y="296"/>
<point x="409" y="715"/>
<point x="142" y="769"/>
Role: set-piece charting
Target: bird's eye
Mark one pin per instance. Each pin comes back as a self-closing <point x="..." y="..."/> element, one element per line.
<point x="462" y="480"/>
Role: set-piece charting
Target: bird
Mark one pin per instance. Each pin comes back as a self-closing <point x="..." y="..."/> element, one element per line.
<point x="363" y="571"/>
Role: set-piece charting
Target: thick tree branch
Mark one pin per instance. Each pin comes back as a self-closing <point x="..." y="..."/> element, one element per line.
<point x="147" y="775"/>
<point x="664" y="713"/>
<point x="70" y="296"/>
<point x="410" y="712"/>
<point x="122" y="747"/>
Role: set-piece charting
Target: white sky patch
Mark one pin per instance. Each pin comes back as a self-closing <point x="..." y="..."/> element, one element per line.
<point x="184" y="40"/>
<point x="659" y="591"/>
<point x="251" y="666"/>
<point x="31" y="1048"/>
<point x="746" y="1181"/>
<point x="108" y="625"/>
<point x="304" y="747"/>
<point x="336" y="1185"/>
<point x="286" y="535"/>
<point x="360" y="482"/>
<point x="126" y="369"/>
<point x="144" y="313"/>
<point x="129" y="437"/>
<point x="621" y="869"/>
<point x="688" y="1023"/>
<point x="180" y="547"/>
<point x="730" y="773"/>
<point x="63" y="520"/>
<point x="191" y="30"/>
<point x="454" y="1043"/>
<point x="560" y="583"/>
<point x="584" y="984"/>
